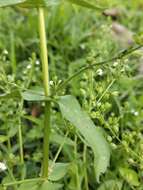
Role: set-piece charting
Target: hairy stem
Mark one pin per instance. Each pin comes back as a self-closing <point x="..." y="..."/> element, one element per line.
<point x="45" y="70"/>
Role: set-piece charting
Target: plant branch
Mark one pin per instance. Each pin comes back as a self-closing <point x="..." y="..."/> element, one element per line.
<point x="84" y="68"/>
<point x="23" y="181"/>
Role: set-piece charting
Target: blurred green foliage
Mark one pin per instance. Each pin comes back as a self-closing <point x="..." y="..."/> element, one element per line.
<point x="111" y="93"/>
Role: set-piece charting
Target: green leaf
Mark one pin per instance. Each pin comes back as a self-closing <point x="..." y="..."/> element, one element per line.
<point x="35" y="120"/>
<point x="54" y="137"/>
<point x="29" y="3"/>
<point x="12" y="131"/>
<point x="29" y="186"/>
<point x="46" y="185"/>
<point x="111" y="184"/>
<point x="50" y="186"/>
<point x="46" y="3"/>
<point x="58" y="171"/>
<point x="72" y="111"/>
<point x="15" y="94"/>
<point x="40" y="3"/>
<point x="57" y="138"/>
<point x="3" y="138"/>
<point x="139" y="38"/>
<point x="33" y="95"/>
<point x="130" y="176"/>
<point x="4" y="3"/>
<point x="86" y="4"/>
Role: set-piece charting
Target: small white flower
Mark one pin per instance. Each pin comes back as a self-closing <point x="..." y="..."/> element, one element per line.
<point x="136" y="113"/>
<point x="99" y="72"/>
<point x="115" y="64"/>
<point x="5" y="52"/>
<point x="82" y="46"/>
<point x="28" y="66"/>
<point x="37" y="62"/>
<point x="3" y="166"/>
<point x="51" y="82"/>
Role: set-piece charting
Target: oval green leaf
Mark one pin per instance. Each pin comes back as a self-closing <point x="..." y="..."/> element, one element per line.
<point x="72" y="111"/>
<point x="111" y="184"/>
<point x="46" y="3"/>
<point x="58" y="171"/>
<point x="29" y="3"/>
<point x="3" y="138"/>
<point x="130" y="176"/>
<point x="4" y="3"/>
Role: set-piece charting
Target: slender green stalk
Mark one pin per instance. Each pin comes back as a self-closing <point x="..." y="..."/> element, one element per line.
<point x="23" y="181"/>
<point x="20" y="135"/>
<point x="85" y="167"/>
<point x="77" y="171"/>
<point x="45" y="70"/>
<point x="10" y="172"/>
<point x="12" y="53"/>
<point x="59" y="150"/>
<point x="20" y="143"/>
<point x="106" y="90"/>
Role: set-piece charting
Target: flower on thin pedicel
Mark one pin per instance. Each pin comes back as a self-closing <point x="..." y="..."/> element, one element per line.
<point x="3" y="166"/>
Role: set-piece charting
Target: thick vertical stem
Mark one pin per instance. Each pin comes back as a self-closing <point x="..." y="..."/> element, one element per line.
<point x="45" y="70"/>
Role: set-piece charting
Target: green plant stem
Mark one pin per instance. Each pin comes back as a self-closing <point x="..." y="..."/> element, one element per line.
<point x="106" y="90"/>
<point x="85" y="169"/>
<point x="10" y="172"/>
<point x="59" y="150"/>
<point x="23" y="181"/>
<point x="12" y="53"/>
<point x="20" y="135"/>
<point x="45" y="70"/>
<point x="77" y="171"/>
<point x="20" y="143"/>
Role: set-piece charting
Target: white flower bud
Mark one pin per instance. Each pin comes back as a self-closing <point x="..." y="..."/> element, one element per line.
<point x="3" y="166"/>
